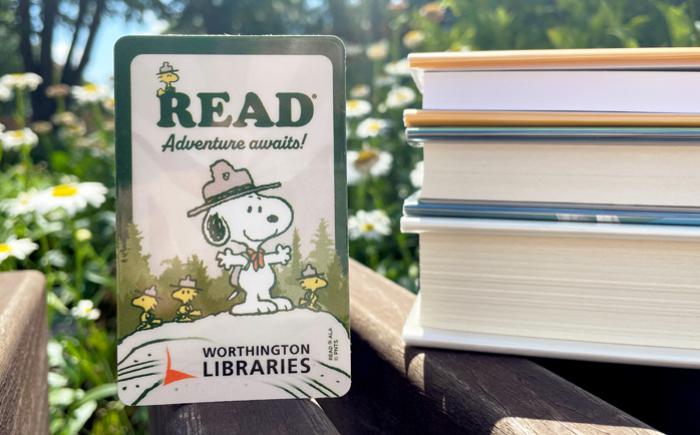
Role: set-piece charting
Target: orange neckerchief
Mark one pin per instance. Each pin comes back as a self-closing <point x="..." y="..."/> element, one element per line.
<point x="257" y="258"/>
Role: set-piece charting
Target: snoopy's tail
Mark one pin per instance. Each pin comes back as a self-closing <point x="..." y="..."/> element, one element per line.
<point x="233" y="295"/>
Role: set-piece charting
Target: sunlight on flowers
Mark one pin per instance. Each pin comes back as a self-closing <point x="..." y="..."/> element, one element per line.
<point x="398" y="68"/>
<point x="417" y="175"/>
<point x="357" y="108"/>
<point x="371" y="127"/>
<point x="370" y="225"/>
<point x="378" y="50"/>
<point x="22" y="204"/>
<point x="13" y="139"/>
<point x="18" y="248"/>
<point x="400" y="96"/>
<point x="360" y="91"/>
<point x="90" y="93"/>
<point x="23" y="81"/>
<point x="413" y="38"/>
<point x="85" y="309"/>
<point x="71" y="197"/>
<point x="367" y="162"/>
<point x="6" y="93"/>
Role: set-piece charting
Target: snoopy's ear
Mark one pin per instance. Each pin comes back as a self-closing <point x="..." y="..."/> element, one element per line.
<point x="215" y="229"/>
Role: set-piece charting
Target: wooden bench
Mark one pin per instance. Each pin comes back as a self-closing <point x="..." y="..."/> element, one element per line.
<point x="404" y="390"/>
<point x="24" y="400"/>
<point x="395" y="389"/>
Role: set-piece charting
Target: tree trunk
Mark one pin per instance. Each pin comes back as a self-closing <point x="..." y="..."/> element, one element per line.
<point x="24" y="28"/>
<point x="92" y="34"/>
<point x="43" y="107"/>
<point x="68" y="70"/>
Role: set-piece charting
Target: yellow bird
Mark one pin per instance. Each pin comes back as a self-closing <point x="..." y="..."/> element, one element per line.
<point x="147" y="301"/>
<point x="167" y="75"/>
<point x="312" y="282"/>
<point x="186" y="292"/>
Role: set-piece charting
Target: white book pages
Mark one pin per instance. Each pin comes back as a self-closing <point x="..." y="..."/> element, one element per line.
<point x="563" y="90"/>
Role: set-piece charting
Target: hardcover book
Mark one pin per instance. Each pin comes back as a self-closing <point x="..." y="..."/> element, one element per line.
<point x="592" y="291"/>
<point x="639" y="169"/>
<point x="232" y="273"/>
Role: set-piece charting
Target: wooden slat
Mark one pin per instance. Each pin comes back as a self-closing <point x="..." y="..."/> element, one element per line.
<point x="477" y="393"/>
<point x="23" y="362"/>
<point x="258" y="417"/>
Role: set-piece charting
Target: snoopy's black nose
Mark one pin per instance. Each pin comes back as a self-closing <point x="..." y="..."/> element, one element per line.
<point x="272" y="218"/>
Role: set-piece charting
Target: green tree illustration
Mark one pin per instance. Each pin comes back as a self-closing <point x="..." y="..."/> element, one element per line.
<point x="334" y="298"/>
<point x="167" y="306"/>
<point x="294" y="266"/>
<point x="214" y="297"/>
<point x="287" y="284"/>
<point x="134" y="276"/>
<point x="324" y="247"/>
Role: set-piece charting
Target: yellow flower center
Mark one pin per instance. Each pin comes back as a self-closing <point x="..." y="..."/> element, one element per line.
<point x="353" y="104"/>
<point x="366" y="156"/>
<point x="16" y="134"/>
<point x="367" y="227"/>
<point x="64" y="190"/>
<point x="90" y="87"/>
<point x="5" y="248"/>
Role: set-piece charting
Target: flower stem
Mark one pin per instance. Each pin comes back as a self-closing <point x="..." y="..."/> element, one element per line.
<point x="20" y="108"/>
<point x="26" y="163"/>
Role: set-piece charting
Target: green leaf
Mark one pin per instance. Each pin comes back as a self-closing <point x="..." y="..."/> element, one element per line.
<point x="97" y="393"/>
<point x="79" y="417"/>
<point x="64" y="396"/>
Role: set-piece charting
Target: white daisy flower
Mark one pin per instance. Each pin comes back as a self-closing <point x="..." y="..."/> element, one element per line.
<point x="353" y="50"/>
<point x="385" y="80"/>
<point x="54" y="350"/>
<point x="12" y="139"/>
<point x="357" y="108"/>
<point x="108" y="104"/>
<point x="56" y="380"/>
<point x="400" y="96"/>
<point x="417" y="175"/>
<point x="18" y="248"/>
<point x="360" y="91"/>
<point x="71" y="197"/>
<point x="398" y="68"/>
<point x="65" y="118"/>
<point x="5" y="93"/>
<point x="85" y="309"/>
<point x="371" y="127"/>
<point x="23" y="204"/>
<point x="22" y="81"/>
<point x="370" y="225"/>
<point x="369" y="161"/>
<point x="55" y="258"/>
<point x="378" y="50"/>
<point x="413" y="38"/>
<point x="90" y="93"/>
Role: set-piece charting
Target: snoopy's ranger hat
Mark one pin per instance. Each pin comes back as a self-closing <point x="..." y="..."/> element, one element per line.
<point x="166" y="68"/>
<point x="227" y="183"/>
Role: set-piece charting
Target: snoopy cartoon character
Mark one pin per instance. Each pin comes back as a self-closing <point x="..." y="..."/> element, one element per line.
<point x="236" y="212"/>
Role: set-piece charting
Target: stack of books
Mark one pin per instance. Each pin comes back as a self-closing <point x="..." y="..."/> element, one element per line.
<point x="560" y="208"/>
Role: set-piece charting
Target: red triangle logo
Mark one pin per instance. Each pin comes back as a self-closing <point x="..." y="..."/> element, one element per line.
<point x="173" y="375"/>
